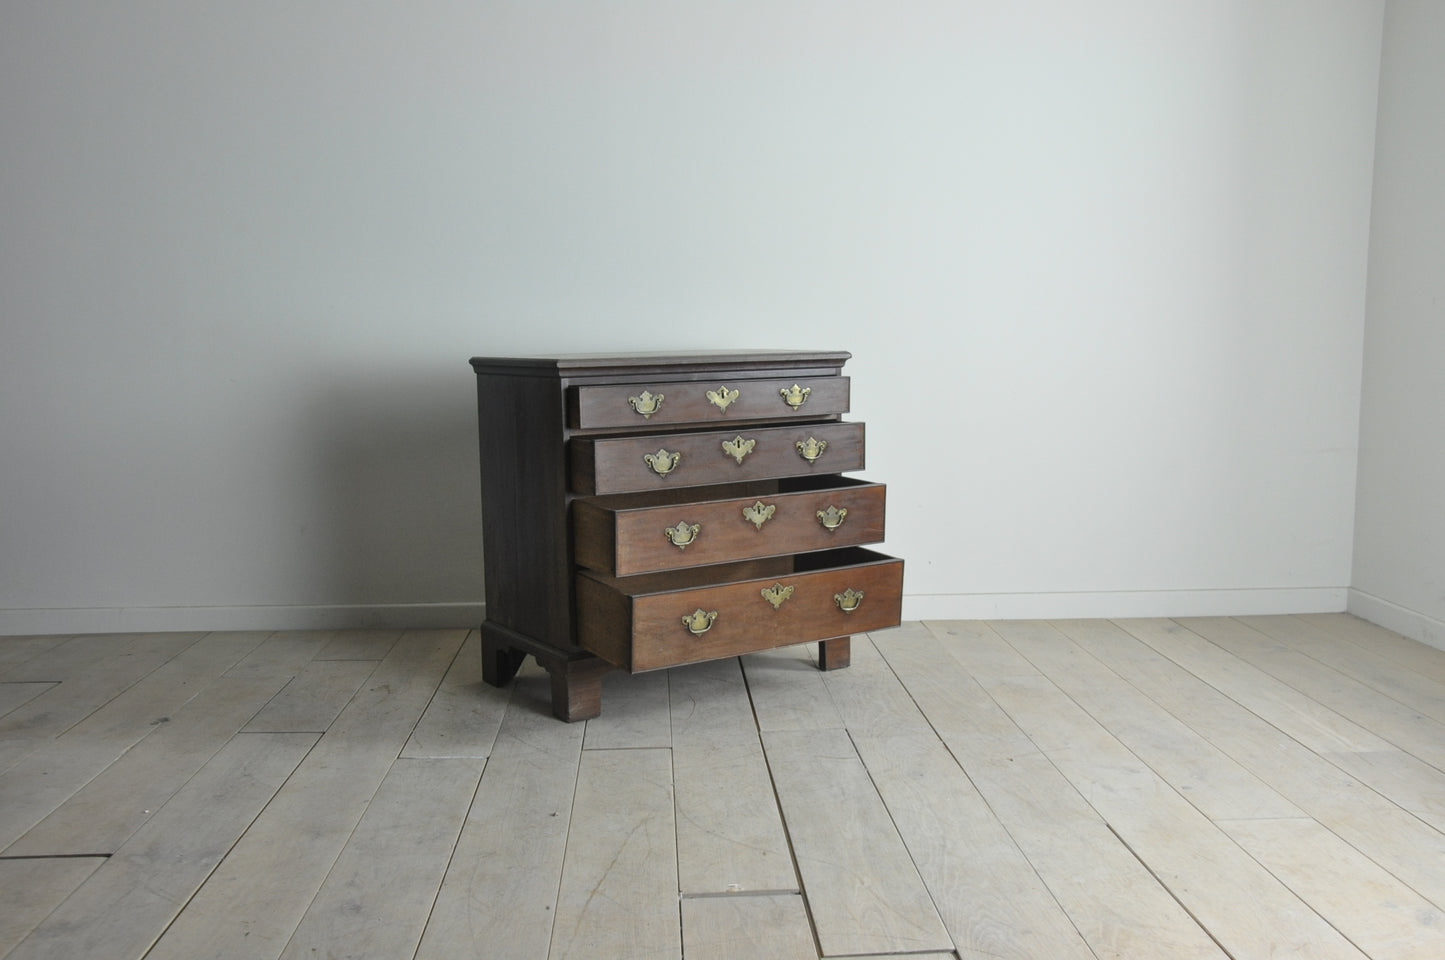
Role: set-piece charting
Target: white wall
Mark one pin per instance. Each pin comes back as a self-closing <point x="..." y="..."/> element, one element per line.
<point x="1102" y="267"/>
<point x="1399" y="566"/>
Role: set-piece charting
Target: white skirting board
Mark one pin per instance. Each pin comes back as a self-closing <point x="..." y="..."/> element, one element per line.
<point x="1402" y="620"/>
<point x="1122" y="604"/>
<point x="956" y="606"/>
<point x="419" y="616"/>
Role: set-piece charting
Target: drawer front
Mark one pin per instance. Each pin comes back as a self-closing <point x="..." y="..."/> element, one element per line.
<point x="661" y="461"/>
<point x="628" y="540"/>
<point x="683" y="624"/>
<point x="648" y="405"/>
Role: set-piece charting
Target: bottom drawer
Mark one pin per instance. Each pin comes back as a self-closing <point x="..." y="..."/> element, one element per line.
<point x="660" y="620"/>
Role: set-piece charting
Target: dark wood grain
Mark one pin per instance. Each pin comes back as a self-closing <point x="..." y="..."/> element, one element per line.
<point x="653" y="630"/>
<point x="625" y="540"/>
<point x="835" y="653"/>
<point x="684" y="402"/>
<point x="616" y="464"/>
<point x="524" y="507"/>
<point x="619" y="367"/>
<point x="550" y="432"/>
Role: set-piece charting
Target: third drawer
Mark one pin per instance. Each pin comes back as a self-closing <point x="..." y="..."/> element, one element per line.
<point x="627" y="535"/>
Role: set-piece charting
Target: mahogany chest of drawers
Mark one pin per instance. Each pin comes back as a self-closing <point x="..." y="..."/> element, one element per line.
<point x="641" y="511"/>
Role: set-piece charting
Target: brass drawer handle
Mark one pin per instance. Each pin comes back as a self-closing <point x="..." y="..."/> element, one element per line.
<point x="795" y="396"/>
<point x="722" y="397"/>
<point x="776" y="594"/>
<point x="699" y="621"/>
<point x="759" y="513"/>
<point x="646" y="404"/>
<point x="832" y="518"/>
<point x="682" y="534"/>
<point x="738" y="448"/>
<point x="662" y="462"/>
<point x="848" y="600"/>
<point x="811" y="449"/>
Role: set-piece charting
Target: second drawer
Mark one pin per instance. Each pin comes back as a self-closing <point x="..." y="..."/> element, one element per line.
<point x="628" y="535"/>
<point x="603" y="465"/>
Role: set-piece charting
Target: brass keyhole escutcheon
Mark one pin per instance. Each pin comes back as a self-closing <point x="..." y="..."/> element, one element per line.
<point x="811" y="449"/>
<point x="795" y="396"/>
<point x="682" y="534"/>
<point x="662" y="462"/>
<point x="848" y="600"/>
<point x="776" y="594"/>
<point x="738" y="448"/>
<point x="832" y="518"/>
<point x="759" y="513"/>
<point x="722" y="397"/>
<point x="645" y="403"/>
<point x="699" y="621"/>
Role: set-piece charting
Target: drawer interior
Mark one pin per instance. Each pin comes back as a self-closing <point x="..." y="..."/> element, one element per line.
<point x="694" y="577"/>
<point x="728" y="491"/>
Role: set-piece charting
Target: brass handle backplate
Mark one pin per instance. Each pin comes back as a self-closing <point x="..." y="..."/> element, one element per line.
<point x="832" y="518"/>
<point x="759" y="513"/>
<point x="776" y="594"/>
<point x="662" y="462"/>
<point x="682" y="534"/>
<point x="722" y="397"/>
<point x="811" y="449"/>
<point x="699" y="621"/>
<point x="645" y="403"/>
<point x="795" y="396"/>
<point x="738" y="448"/>
<point x="848" y="600"/>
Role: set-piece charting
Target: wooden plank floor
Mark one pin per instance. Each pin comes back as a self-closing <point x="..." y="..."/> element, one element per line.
<point x="1199" y="788"/>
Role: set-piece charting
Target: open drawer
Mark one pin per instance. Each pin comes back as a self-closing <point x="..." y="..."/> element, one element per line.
<point x="632" y="534"/>
<point x="660" y="620"/>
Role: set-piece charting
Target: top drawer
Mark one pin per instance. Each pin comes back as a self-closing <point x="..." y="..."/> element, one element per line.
<point x="651" y="404"/>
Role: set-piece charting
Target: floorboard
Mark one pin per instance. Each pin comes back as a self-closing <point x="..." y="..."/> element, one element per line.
<point x="16" y="694"/>
<point x="1215" y="783"/>
<point x="358" y="644"/>
<point x="18" y="650"/>
<point x="254" y="901"/>
<point x="1377" y="912"/>
<point x="730" y="835"/>
<point x="499" y="896"/>
<point x="1415" y="690"/>
<point x="119" y="911"/>
<point x="864" y="892"/>
<point x="464" y="716"/>
<point x="313" y="698"/>
<point x="990" y="899"/>
<point x="771" y="927"/>
<point x="1109" y="896"/>
<point x="1200" y="788"/>
<point x="1246" y="909"/>
<point x="375" y="902"/>
<point x="104" y="813"/>
<point x="1396" y="723"/>
<point x="618" y="895"/>
<point x="33" y="888"/>
<point x="1371" y="822"/>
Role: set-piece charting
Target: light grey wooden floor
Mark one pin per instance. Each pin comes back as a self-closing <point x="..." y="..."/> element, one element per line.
<point x="1254" y="787"/>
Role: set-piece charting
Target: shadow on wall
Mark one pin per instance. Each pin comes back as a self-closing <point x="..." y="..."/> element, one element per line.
<point x="396" y="480"/>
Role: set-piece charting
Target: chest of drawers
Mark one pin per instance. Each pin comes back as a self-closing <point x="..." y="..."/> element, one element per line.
<point x="646" y="510"/>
